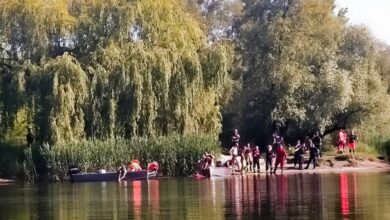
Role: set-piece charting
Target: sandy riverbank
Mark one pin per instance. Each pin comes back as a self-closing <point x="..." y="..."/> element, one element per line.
<point x="328" y="164"/>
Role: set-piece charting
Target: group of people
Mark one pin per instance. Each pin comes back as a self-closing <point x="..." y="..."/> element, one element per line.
<point x="313" y="145"/>
<point x="247" y="157"/>
<point x="135" y="166"/>
<point x="345" y="140"/>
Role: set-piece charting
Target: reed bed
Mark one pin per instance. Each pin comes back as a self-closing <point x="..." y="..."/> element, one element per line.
<point x="177" y="155"/>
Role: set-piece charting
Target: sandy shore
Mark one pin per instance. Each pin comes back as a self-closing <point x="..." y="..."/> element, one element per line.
<point x="330" y="165"/>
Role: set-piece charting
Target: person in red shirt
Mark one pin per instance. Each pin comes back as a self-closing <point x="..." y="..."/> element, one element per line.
<point x="342" y="141"/>
<point x="153" y="167"/>
<point x="256" y="159"/>
<point x="281" y="156"/>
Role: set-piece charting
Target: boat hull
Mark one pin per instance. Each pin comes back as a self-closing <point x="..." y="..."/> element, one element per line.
<point x="220" y="171"/>
<point x="110" y="176"/>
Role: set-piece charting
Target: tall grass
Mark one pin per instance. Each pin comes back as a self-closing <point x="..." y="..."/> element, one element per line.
<point x="18" y="161"/>
<point x="177" y="155"/>
<point x="381" y="145"/>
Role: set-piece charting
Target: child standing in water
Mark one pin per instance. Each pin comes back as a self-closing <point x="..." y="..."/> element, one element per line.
<point x="281" y="156"/>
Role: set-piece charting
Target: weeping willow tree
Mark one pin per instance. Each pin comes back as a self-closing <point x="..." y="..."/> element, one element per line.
<point x="113" y="68"/>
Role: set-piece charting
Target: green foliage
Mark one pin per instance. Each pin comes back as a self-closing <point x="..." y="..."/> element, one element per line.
<point x="17" y="162"/>
<point x="10" y="156"/>
<point x="176" y="155"/>
<point x="110" y="68"/>
<point x="306" y="70"/>
<point x="135" y="70"/>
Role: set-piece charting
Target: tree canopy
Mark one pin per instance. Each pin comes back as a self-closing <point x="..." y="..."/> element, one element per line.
<point x="124" y="68"/>
<point x="305" y="69"/>
<point x="110" y="68"/>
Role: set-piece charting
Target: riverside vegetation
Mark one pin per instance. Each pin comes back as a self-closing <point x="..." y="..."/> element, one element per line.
<point x="145" y="78"/>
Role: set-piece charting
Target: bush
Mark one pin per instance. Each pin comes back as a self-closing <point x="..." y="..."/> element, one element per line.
<point x="177" y="155"/>
<point x="10" y="157"/>
<point x="18" y="161"/>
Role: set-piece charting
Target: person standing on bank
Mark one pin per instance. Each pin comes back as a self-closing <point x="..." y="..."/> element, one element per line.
<point x="352" y="141"/>
<point x="236" y="137"/>
<point x="281" y="156"/>
<point x="299" y="152"/>
<point x="256" y="159"/>
<point x="317" y="141"/>
<point x="341" y="140"/>
<point x="269" y="158"/>
<point x="313" y="155"/>
<point x="234" y="154"/>
<point x="29" y="137"/>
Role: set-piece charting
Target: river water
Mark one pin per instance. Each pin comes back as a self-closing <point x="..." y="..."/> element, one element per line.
<point x="301" y="196"/>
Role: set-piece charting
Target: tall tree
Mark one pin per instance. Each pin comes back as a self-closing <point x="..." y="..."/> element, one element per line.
<point x="109" y="68"/>
<point x="294" y="81"/>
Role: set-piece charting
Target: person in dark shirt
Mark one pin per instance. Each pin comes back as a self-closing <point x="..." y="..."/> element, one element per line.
<point x="256" y="159"/>
<point x="307" y="142"/>
<point x="352" y="141"/>
<point x="298" y="154"/>
<point x="313" y="156"/>
<point x="317" y="141"/>
<point x="29" y="138"/>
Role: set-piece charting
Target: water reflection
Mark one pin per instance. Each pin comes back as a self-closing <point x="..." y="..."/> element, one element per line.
<point x="303" y="196"/>
<point x="344" y="195"/>
<point x="154" y="196"/>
